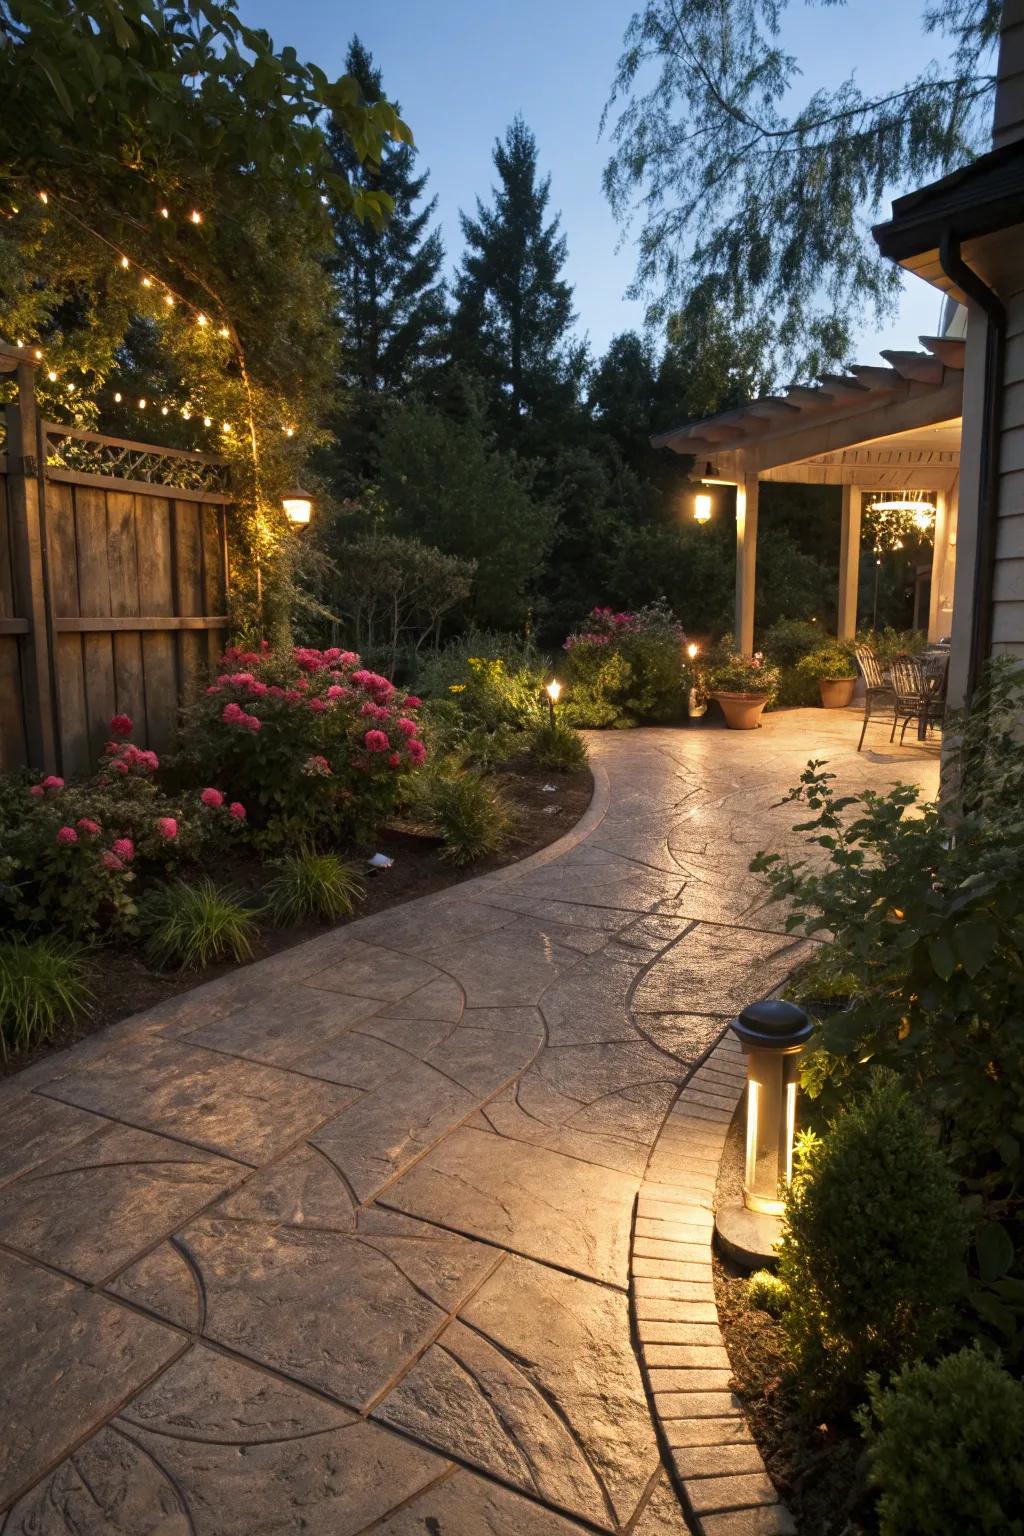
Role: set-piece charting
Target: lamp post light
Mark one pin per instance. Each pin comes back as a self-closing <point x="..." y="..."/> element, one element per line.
<point x="298" y="507"/>
<point x="773" y="1035"/>
<point x="553" y="690"/>
<point x="696" y="702"/>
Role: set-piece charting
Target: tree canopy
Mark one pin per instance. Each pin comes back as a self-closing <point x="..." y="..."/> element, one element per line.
<point x="755" y="195"/>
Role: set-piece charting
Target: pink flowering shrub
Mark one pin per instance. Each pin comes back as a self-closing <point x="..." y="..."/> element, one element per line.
<point x="622" y="668"/>
<point x="72" y="854"/>
<point x="311" y="742"/>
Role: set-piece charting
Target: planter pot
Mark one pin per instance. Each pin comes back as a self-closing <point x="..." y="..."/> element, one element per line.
<point x="742" y="711"/>
<point x="836" y="692"/>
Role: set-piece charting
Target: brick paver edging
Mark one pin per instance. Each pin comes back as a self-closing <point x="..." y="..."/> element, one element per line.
<point x="720" y="1473"/>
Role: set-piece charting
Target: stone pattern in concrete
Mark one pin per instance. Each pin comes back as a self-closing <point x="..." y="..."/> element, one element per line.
<point x="350" y="1239"/>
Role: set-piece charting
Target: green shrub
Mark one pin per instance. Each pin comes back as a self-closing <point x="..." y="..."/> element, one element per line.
<point x="787" y="641"/>
<point x="927" y="927"/>
<point x="469" y="814"/>
<point x="311" y="884"/>
<point x="42" y="983"/>
<point x="873" y="1245"/>
<point x="626" y="667"/>
<point x="557" y="746"/>
<point x="189" y="926"/>
<point x="728" y="672"/>
<point x="888" y="642"/>
<point x="768" y="1293"/>
<point x="945" y="1447"/>
<point x="437" y="670"/>
<point x="832" y="660"/>
<point x="492" y="694"/>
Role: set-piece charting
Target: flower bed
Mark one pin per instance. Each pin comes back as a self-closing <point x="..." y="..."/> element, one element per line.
<point x="624" y="668"/>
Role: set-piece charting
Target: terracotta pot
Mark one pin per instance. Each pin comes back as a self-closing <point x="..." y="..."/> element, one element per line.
<point x="742" y="711"/>
<point x="836" y="692"/>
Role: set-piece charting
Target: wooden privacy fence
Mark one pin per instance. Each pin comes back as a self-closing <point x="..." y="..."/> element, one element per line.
<point x="113" y="584"/>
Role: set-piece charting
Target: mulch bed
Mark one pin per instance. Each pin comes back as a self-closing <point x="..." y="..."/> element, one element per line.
<point x="124" y="984"/>
<point x="814" y="1466"/>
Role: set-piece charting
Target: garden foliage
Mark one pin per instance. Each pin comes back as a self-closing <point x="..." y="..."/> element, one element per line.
<point x="944" y="1444"/>
<point x="624" y="668"/>
<point x="308" y="883"/>
<point x="729" y="672"/>
<point x="42" y="985"/>
<point x="832" y="660"/>
<point x="468" y="812"/>
<point x="873" y="1248"/>
<point x="190" y="924"/>
<point x="926" y="909"/>
<point x="310" y="741"/>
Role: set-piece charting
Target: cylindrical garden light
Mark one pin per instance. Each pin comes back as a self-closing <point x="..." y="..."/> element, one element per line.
<point x="773" y="1035"/>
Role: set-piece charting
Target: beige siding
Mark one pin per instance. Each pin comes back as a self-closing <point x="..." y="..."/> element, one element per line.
<point x="1008" y="123"/>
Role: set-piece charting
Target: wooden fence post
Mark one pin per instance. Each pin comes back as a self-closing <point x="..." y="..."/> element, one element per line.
<point x="28" y="543"/>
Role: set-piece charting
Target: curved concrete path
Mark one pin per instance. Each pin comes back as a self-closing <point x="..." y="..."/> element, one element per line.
<point x="341" y="1243"/>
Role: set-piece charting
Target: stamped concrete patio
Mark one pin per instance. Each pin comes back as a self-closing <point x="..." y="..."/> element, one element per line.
<point x="341" y="1243"/>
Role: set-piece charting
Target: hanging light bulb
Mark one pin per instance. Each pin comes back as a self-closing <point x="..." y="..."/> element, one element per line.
<point x="147" y="282"/>
<point x="142" y="404"/>
<point x="202" y="320"/>
<point x="117" y="397"/>
<point x="163" y="410"/>
<point x="224" y="331"/>
<point x="289" y="431"/>
<point x="44" y="197"/>
<point x="169" y="301"/>
<point x="125" y="263"/>
<point x="37" y="353"/>
<point x="52" y="376"/>
<point x="702" y="507"/>
<point x="195" y="216"/>
<point x="207" y="421"/>
<point x="165" y="213"/>
<point x="186" y="413"/>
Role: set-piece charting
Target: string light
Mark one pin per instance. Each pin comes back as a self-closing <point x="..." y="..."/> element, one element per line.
<point x="289" y="431"/>
<point x="142" y="405"/>
<point x="169" y="300"/>
<point x="147" y="282"/>
<point x="163" y="410"/>
<point x="196" y="216"/>
<point x="44" y="197"/>
<point x="186" y="413"/>
<point x="207" y="421"/>
<point x="37" y="353"/>
<point x="52" y="376"/>
<point x="125" y="263"/>
<point x="202" y="320"/>
<point x="165" y="213"/>
<point x="117" y="397"/>
<point x="224" y="331"/>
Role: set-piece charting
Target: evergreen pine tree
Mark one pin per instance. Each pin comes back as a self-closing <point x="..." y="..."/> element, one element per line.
<point x="514" y="309"/>
<point x="389" y="283"/>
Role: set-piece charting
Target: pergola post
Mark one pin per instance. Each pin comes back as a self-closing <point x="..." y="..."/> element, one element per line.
<point x="940" y="553"/>
<point x="849" y="563"/>
<point x="746" y="561"/>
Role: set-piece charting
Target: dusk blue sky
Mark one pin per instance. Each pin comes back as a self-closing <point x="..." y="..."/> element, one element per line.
<point x="461" y="69"/>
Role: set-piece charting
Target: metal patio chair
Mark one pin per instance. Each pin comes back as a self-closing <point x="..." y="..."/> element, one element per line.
<point x="919" y="687"/>
<point x="876" y="689"/>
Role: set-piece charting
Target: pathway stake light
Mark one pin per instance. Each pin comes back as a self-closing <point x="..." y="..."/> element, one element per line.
<point x="773" y="1035"/>
<point x="553" y="690"/>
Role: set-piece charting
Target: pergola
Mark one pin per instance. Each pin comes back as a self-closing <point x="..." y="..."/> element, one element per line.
<point x="871" y="429"/>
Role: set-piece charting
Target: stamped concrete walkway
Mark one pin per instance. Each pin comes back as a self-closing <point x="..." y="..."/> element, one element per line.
<point x="341" y="1243"/>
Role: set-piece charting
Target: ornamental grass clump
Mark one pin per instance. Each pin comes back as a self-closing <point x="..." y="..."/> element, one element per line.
<point x="873" y="1248"/>
<point x="556" y="746"/>
<point x="42" y="985"/>
<point x="310" y="884"/>
<point x="311" y="742"/>
<point x="945" y="1448"/>
<point x="189" y="926"/>
<point x="470" y="815"/>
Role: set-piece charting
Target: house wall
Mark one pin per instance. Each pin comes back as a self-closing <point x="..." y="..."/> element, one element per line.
<point x="1008" y="585"/>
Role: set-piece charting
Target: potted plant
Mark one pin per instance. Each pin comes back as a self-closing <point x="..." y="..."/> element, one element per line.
<point x="743" y="685"/>
<point x="833" y="667"/>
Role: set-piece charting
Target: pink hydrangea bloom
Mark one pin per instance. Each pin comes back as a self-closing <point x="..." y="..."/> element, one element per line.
<point x="37" y="790"/>
<point x="412" y="702"/>
<point x="317" y="706"/>
<point x="407" y="727"/>
<point x="258" y="689"/>
<point x="376" y="741"/>
<point x="252" y="723"/>
<point x="237" y="810"/>
<point x="111" y="862"/>
<point x="125" y="849"/>
<point x="317" y="766"/>
<point x="88" y="826"/>
<point x="53" y="782"/>
<point x="347" y="658"/>
<point x="67" y="835"/>
<point x="167" y="826"/>
<point x="336" y="691"/>
<point x="232" y="714"/>
<point x="395" y="760"/>
<point x="211" y="797"/>
<point x="121" y="725"/>
<point x="417" y="751"/>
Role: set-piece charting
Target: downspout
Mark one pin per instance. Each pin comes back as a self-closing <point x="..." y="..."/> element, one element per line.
<point x="969" y="283"/>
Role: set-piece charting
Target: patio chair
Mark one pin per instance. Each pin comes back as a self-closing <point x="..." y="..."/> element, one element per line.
<point x="920" y="693"/>
<point x="876" y="689"/>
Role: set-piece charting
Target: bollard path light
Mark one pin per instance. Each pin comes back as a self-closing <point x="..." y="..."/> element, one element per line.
<point x="552" y="690"/>
<point x="773" y="1035"/>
